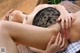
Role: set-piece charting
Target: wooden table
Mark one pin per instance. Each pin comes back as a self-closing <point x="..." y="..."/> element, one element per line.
<point x="26" y="6"/>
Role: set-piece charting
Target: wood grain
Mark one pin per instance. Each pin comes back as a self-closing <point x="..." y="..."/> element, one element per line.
<point x="26" y="6"/>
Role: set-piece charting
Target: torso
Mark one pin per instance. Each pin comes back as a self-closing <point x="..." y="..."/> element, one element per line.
<point x="45" y="18"/>
<point x="74" y="33"/>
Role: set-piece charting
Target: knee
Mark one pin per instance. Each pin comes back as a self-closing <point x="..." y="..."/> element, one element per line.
<point x="4" y="33"/>
<point x="1" y="24"/>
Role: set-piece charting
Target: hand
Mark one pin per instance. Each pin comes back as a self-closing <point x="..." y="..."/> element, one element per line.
<point x="66" y="20"/>
<point x="65" y="17"/>
<point x="58" y="45"/>
<point x="6" y="17"/>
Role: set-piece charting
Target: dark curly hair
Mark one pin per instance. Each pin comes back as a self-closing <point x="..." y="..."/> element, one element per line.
<point x="46" y="17"/>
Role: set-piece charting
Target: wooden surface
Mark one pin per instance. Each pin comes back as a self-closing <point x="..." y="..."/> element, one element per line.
<point x="26" y="6"/>
<point x="78" y="2"/>
<point x="70" y="6"/>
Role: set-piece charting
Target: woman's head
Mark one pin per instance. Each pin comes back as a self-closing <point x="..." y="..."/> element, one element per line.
<point x="46" y="17"/>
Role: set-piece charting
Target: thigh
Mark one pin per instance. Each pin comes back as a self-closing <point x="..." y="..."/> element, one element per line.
<point x="27" y="34"/>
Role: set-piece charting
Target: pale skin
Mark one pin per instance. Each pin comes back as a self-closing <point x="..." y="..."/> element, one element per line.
<point x="44" y="30"/>
<point x="64" y="3"/>
<point x="52" y="47"/>
<point x="34" y="12"/>
<point x="58" y="45"/>
<point x="18" y="31"/>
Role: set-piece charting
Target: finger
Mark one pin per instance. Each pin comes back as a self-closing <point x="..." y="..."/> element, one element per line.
<point x="63" y="47"/>
<point x="59" y="19"/>
<point x="60" y="40"/>
<point x="67" y="23"/>
<point x="57" y="39"/>
<point x="70" y="21"/>
<point x="62" y="23"/>
<point x="72" y="18"/>
<point x="51" y="40"/>
<point x="63" y="43"/>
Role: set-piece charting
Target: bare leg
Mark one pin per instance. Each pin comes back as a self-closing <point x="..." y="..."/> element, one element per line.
<point x="70" y="6"/>
<point x="7" y="42"/>
<point x="27" y="34"/>
<point x="21" y="48"/>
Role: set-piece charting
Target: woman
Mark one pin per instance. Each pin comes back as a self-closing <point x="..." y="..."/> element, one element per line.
<point x="26" y="33"/>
